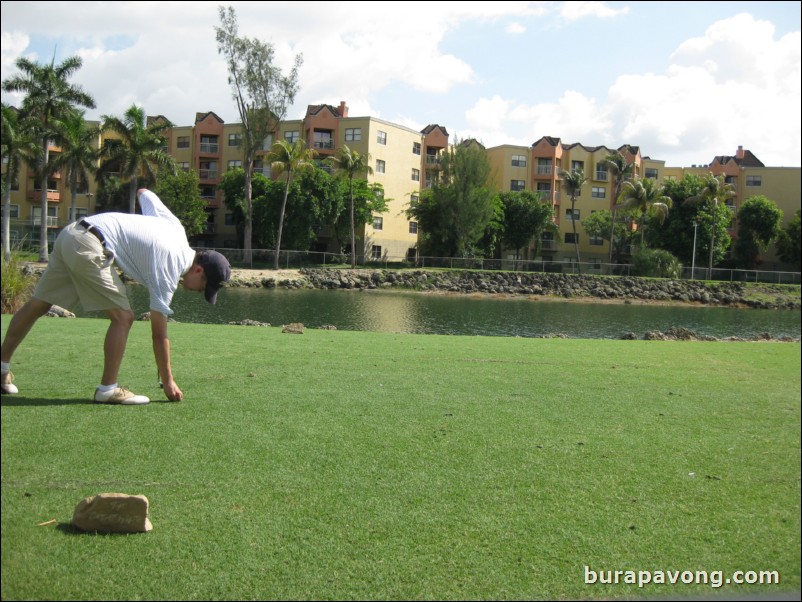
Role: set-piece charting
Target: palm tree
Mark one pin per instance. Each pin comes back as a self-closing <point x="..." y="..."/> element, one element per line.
<point x="646" y="197"/>
<point x="621" y="171"/>
<point x="350" y="163"/>
<point x="288" y="157"/>
<point x="18" y="144"/>
<point x="140" y="150"/>
<point x="49" y="96"/>
<point x="78" y="157"/>
<point x="714" y="190"/>
<point x="573" y="182"/>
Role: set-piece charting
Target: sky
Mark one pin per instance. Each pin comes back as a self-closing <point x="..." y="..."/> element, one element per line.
<point x="684" y="81"/>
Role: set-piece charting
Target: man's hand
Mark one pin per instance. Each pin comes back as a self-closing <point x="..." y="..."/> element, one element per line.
<point x="172" y="391"/>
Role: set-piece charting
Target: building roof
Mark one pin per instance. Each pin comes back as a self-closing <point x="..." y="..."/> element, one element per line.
<point x="201" y="116"/>
<point x="747" y="159"/>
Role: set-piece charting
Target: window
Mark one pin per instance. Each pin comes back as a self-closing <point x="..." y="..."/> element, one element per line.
<point x="416" y="148"/>
<point x="597" y="192"/>
<point x="569" y="238"/>
<point x="376" y="252"/>
<point x="578" y="166"/>
<point x="595" y="241"/>
<point x="544" y="167"/>
<point x="182" y="142"/>
<point x="234" y="163"/>
<point x="234" y="140"/>
<point x="754" y="181"/>
<point x="323" y="139"/>
<point x="413" y="227"/>
<point x="207" y="170"/>
<point x="208" y="144"/>
<point x="380" y="166"/>
<point x="517" y="185"/>
<point x="601" y="173"/>
<point x="651" y="173"/>
<point x="267" y="143"/>
<point x="572" y="215"/>
<point x="543" y="187"/>
<point x="353" y="134"/>
<point x="80" y="213"/>
<point x="207" y="191"/>
<point x="378" y="222"/>
<point x="182" y="165"/>
<point x="414" y="198"/>
<point x="292" y="137"/>
<point x="381" y="137"/>
<point x="416" y="175"/>
<point x="519" y="161"/>
<point x="229" y="218"/>
<point x="14" y="214"/>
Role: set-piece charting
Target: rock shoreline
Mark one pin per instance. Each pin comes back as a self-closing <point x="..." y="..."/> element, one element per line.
<point x="626" y="289"/>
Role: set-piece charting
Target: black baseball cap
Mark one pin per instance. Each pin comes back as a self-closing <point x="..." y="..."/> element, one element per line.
<point x="217" y="270"/>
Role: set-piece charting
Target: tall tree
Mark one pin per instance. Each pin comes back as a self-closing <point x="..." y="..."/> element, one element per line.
<point x="526" y="215"/>
<point x="621" y="171"/>
<point x="453" y="215"/>
<point x="351" y="163"/>
<point x="714" y="192"/>
<point x="19" y="145"/>
<point x="262" y="93"/>
<point x="79" y="152"/>
<point x="180" y="192"/>
<point x="759" y="225"/>
<point x="138" y="151"/>
<point x="572" y="183"/>
<point x="48" y="96"/>
<point x="789" y="242"/>
<point x="644" y="196"/>
<point x="288" y="158"/>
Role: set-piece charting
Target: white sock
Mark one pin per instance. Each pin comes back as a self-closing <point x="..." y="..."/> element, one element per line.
<point x="5" y="367"/>
<point x="106" y="388"/>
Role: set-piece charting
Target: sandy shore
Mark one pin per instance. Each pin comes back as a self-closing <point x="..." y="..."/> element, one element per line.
<point x="277" y="275"/>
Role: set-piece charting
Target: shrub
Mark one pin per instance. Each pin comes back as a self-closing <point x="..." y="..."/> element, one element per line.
<point x="656" y="263"/>
<point x="17" y="284"/>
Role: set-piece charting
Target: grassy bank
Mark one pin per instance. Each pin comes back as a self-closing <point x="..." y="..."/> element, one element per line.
<point x="360" y="466"/>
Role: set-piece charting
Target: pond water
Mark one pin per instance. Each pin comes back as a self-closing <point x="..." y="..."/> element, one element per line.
<point x="410" y="312"/>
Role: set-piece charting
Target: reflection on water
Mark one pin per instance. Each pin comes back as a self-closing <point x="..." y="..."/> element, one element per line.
<point x="397" y="311"/>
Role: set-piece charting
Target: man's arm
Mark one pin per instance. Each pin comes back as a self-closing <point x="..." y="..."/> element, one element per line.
<point x="161" y="350"/>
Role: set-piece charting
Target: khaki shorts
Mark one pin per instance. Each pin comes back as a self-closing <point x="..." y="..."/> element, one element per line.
<point x="80" y="270"/>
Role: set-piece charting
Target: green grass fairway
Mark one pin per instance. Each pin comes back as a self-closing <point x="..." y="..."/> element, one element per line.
<point x="341" y="465"/>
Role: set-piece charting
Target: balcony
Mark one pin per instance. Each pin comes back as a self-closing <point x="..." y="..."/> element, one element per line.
<point x="51" y="222"/>
<point x="208" y="174"/>
<point x="324" y="144"/>
<point x="601" y="175"/>
<point x="209" y="148"/>
<point x="544" y="170"/>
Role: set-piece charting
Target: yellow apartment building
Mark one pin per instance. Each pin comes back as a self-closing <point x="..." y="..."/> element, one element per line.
<point x="538" y="167"/>
<point x="405" y="161"/>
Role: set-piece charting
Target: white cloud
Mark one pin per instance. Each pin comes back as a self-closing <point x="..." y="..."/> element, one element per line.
<point x="515" y="29"/>
<point x="704" y="104"/>
<point x="571" y="11"/>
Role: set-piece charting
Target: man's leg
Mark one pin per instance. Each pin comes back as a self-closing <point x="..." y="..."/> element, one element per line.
<point x="21" y="325"/>
<point x="116" y="340"/>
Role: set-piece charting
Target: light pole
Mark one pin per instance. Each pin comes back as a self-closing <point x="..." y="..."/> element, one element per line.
<point x="693" y="257"/>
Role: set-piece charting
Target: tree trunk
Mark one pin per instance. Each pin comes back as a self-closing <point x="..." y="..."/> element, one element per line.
<point x="247" y="252"/>
<point x="281" y="218"/>
<point x="353" y="234"/>
<point x="43" y="250"/>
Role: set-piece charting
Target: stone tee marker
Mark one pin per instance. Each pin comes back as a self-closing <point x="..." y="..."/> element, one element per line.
<point x="113" y="513"/>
